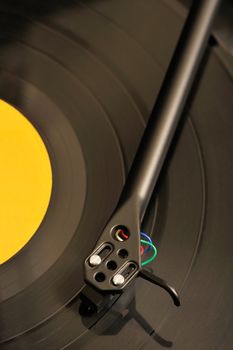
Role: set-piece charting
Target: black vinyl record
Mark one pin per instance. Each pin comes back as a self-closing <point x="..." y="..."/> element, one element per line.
<point x="86" y="74"/>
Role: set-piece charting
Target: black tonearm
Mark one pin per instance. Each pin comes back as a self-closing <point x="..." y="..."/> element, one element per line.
<point x="116" y="259"/>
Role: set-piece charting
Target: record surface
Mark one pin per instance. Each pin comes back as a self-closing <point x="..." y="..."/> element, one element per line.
<point x="86" y="74"/>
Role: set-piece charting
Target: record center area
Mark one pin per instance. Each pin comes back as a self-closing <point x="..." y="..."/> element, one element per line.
<point x="25" y="181"/>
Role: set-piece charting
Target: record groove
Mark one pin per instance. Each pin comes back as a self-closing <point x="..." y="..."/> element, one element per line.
<point x="87" y="75"/>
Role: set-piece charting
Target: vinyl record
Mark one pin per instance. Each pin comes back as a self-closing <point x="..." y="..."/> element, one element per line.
<point x="86" y="75"/>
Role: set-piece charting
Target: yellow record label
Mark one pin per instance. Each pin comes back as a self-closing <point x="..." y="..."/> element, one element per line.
<point x="25" y="181"/>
